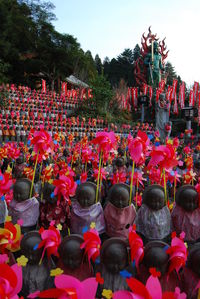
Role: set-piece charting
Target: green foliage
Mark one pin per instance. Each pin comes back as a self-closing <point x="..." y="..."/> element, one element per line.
<point x="170" y="72"/>
<point x="102" y="94"/>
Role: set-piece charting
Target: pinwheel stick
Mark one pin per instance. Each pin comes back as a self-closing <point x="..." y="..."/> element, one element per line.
<point x="100" y="158"/>
<point x="174" y="188"/>
<point x="40" y="170"/>
<point x="137" y="185"/>
<point x="131" y="186"/>
<point x="31" y="191"/>
<point x="165" y="187"/>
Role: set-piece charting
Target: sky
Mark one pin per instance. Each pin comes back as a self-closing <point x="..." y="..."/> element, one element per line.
<point x="107" y="27"/>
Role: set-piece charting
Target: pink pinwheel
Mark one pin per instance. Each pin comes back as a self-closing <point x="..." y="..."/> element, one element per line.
<point x="86" y="154"/>
<point x="5" y="183"/>
<point x="138" y="146"/>
<point x="70" y="287"/>
<point x="91" y="244"/>
<point x="42" y="142"/>
<point x="163" y="156"/>
<point x="65" y="186"/>
<point x="105" y="140"/>
<point x="152" y="290"/>
<point x="177" y="252"/>
<point x="136" y="246"/>
<point x="50" y="241"/>
<point x="10" y="281"/>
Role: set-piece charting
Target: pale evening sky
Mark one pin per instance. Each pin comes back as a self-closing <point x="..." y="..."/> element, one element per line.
<point x="107" y="27"/>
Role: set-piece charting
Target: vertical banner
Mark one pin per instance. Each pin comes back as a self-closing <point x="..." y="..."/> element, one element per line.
<point x="44" y="89"/>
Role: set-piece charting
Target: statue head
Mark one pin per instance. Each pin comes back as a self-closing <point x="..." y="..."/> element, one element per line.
<point x="21" y="189"/>
<point x="48" y="193"/>
<point x="119" y="195"/>
<point x="28" y="243"/>
<point x="70" y="252"/>
<point x="86" y="194"/>
<point x="155" y="256"/>
<point x="114" y="255"/>
<point x="187" y="198"/>
<point x="154" y="197"/>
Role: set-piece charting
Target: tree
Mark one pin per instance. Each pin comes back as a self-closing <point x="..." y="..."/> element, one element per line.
<point x="136" y="52"/>
<point x="98" y="64"/>
<point x="102" y="94"/>
<point x="170" y="72"/>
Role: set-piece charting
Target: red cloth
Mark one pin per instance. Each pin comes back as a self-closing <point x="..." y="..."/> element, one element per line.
<point x="83" y="272"/>
<point x="59" y="213"/>
<point x="118" y="221"/>
<point x="189" y="281"/>
<point x="189" y="222"/>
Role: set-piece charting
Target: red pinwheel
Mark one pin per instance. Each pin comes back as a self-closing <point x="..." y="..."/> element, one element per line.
<point x="12" y="151"/>
<point x="10" y="281"/>
<point x="137" y="178"/>
<point x="102" y="175"/>
<point x="42" y="143"/>
<point x="5" y="183"/>
<point x="91" y="244"/>
<point x="119" y="177"/>
<point x="50" y="241"/>
<point x="177" y="252"/>
<point x="138" y="146"/>
<point x="65" y="186"/>
<point x="164" y="156"/>
<point x="152" y="290"/>
<point x="136" y="246"/>
<point x="10" y="237"/>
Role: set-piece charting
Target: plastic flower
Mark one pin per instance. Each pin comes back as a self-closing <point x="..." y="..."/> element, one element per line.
<point x="107" y="294"/>
<point x="91" y="244"/>
<point x="42" y="143"/>
<point x="50" y="241"/>
<point x="56" y="272"/>
<point x="22" y="261"/>
<point x="28" y="171"/>
<point x="83" y="177"/>
<point x="10" y="237"/>
<point x="65" y="186"/>
<point x="10" y="281"/>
